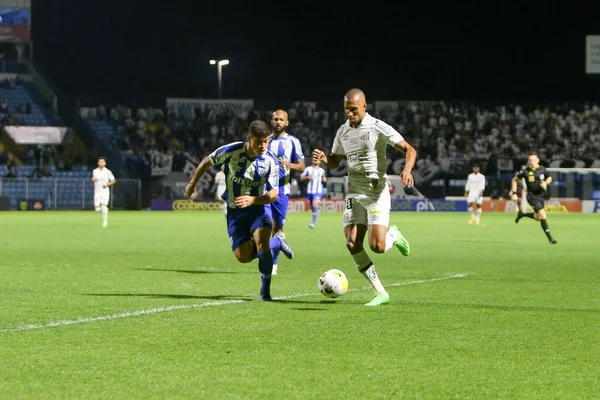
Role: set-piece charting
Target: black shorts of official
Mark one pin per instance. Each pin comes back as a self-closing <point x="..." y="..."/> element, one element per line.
<point x="535" y="201"/>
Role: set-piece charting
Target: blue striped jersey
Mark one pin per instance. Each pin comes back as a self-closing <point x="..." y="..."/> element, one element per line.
<point x="245" y="175"/>
<point x="315" y="184"/>
<point x="286" y="147"/>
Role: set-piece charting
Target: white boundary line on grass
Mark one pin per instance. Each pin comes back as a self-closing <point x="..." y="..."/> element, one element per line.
<point x="83" y="320"/>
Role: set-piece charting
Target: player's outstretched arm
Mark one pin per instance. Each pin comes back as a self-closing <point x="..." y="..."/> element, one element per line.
<point x="411" y="158"/>
<point x="204" y="165"/>
<point x="332" y="161"/>
<point x="546" y="182"/>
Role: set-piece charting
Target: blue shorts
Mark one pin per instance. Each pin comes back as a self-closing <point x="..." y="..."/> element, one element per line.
<point x="279" y="209"/>
<point x="313" y="196"/>
<point x="241" y="223"/>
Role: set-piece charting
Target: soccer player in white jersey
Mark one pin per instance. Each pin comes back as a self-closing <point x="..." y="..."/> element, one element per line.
<point x="362" y="141"/>
<point x="103" y="179"/>
<point x="252" y="176"/>
<point x="315" y="175"/>
<point x="474" y="193"/>
<point x="221" y="187"/>
<point x="288" y="150"/>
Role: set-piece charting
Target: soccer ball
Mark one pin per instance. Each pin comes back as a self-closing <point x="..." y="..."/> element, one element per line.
<point x="333" y="283"/>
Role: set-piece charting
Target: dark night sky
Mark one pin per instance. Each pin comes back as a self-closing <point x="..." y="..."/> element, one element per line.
<point x="313" y="50"/>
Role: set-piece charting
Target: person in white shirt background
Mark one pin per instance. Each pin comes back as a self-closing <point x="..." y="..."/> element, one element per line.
<point x="474" y="193"/>
<point x="315" y="175"/>
<point x="103" y="179"/>
<point x="221" y="187"/>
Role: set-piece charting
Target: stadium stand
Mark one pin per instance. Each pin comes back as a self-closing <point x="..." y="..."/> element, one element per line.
<point x="449" y="135"/>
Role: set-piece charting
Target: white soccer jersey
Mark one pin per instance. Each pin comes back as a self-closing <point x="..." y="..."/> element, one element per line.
<point x="315" y="184"/>
<point x="220" y="178"/>
<point x="103" y="176"/>
<point x="475" y="184"/>
<point x="364" y="148"/>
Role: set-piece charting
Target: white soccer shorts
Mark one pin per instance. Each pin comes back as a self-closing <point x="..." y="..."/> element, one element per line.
<point x="365" y="210"/>
<point x="473" y="198"/>
<point x="101" y="198"/>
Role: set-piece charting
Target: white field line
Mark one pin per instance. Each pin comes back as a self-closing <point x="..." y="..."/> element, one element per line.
<point x="82" y="320"/>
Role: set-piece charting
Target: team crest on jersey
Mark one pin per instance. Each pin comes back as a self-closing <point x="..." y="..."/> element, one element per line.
<point x="262" y="169"/>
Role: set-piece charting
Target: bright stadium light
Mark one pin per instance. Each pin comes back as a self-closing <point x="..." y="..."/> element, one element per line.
<point x="220" y="64"/>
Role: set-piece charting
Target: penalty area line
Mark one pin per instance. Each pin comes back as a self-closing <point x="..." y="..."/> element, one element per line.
<point x="83" y="320"/>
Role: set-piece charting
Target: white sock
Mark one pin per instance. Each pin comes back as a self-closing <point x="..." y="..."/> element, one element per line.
<point x="390" y="238"/>
<point x="478" y="213"/>
<point x="366" y="268"/>
<point x="104" y="214"/>
<point x="472" y="214"/>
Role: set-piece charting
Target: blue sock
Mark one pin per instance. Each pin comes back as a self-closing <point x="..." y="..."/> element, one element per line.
<point x="275" y="244"/>
<point x="315" y="215"/>
<point x="265" y="266"/>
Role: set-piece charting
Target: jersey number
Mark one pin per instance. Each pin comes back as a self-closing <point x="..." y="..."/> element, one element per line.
<point x="348" y="204"/>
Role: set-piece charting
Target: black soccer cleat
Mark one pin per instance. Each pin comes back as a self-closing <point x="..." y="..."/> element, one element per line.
<point x="519" y="216"/>
<point x="265" y="298"/>
<point x="553" y="241"/>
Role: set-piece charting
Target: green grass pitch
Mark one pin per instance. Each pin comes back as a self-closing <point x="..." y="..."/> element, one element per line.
<point x="156" y="306"/>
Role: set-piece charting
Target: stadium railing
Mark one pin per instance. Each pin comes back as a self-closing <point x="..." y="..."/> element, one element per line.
<point x="67" y="194"/>
<point x="582" y="183"/>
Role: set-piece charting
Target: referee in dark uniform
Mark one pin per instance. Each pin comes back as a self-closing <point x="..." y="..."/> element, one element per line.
<point x="537" y="180"/>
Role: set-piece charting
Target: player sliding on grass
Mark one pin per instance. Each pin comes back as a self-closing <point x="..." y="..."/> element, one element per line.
<point x="536" y="182"/>
<point x="252" y="177"/>
<point x="362" y="141"/>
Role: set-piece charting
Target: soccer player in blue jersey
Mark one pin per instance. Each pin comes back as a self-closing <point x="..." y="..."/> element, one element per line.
<point x="315" y="175"/>
<point x="288" y="150"/>
<point x="252" y="177"/>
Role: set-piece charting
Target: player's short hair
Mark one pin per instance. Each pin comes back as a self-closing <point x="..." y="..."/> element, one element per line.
<point x="259" y="128"/>
<point x="102" y="158"/>
<point x="533" y="153"/>
<point x="476" y="165"/>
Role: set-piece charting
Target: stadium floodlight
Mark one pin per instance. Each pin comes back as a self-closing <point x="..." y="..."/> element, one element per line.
<point x="220" y="64"/>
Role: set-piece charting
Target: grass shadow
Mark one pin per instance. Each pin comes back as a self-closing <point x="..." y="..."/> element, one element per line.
<point x="324" y="302"/>
<point x="170" y="296"/>
<point x="194" y="271"/>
